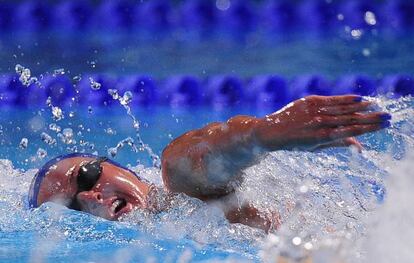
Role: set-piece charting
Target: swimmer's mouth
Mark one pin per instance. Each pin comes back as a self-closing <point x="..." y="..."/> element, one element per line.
<point x="118" y="205"/>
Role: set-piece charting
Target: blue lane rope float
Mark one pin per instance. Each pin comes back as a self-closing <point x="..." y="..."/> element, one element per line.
<point x="235" y="15"/>
<point x="199" y="14"/>
<point x="355" y="84"/>
<point x="185" y="90"/>
<point x="112" y="15"/>
<point x="155" y="15"/>
<point x="267" y="91"/>
<point x="72" y="15"/>
<point x="309" y="84"/>
<point x="400" y="85"/>
<point x="32" y="16"/>
<point x="224" y="90"/>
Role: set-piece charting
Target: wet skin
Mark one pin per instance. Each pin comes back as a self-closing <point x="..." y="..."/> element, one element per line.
<point x="205" y="163"/>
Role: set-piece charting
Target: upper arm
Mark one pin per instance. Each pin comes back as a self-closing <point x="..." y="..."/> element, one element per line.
<point x="203" y="163"/>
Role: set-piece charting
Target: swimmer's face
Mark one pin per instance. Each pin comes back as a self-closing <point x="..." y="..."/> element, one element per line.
<point x="116" y="192"/>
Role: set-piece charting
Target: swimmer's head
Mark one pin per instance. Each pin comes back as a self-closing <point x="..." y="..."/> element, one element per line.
<point x="85" y="182"/>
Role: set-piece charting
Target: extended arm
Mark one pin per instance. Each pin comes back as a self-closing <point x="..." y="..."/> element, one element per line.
<point x="208" y="162"/>
<point x="204" y="163"/>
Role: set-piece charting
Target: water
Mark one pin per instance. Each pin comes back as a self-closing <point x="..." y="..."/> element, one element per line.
<point x="331" y="202"/>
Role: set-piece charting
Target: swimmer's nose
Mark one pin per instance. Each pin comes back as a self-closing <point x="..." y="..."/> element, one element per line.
<point x="91" y="196"/>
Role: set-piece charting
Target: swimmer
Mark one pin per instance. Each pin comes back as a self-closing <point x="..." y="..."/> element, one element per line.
<point x="208" y="163"/>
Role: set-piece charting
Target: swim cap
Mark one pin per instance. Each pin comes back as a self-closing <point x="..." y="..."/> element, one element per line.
<point x="40" y="175"/>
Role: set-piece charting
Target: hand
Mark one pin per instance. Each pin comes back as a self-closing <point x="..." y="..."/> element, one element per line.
<point x="317" y="121"/>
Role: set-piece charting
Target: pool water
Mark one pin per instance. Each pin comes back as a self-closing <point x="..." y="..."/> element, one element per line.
<point x="373" y="54"/>
<point x="325" y="198"/>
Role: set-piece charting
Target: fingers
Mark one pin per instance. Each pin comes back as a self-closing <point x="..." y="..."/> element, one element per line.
<point x="335" y="100"/>
<point x="356" y="118"/>
<point x="345" y="109"/>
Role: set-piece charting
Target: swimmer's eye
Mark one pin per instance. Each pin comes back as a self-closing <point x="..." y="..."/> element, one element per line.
<point x="88" y="175"/>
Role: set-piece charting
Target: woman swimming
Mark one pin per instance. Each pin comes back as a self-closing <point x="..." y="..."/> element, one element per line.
<point x="207" y="163"/>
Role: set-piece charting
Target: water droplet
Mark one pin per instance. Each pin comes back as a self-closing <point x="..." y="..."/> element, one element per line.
<point x="94" y="84"/>
<point x="46" y="138"/>
<point x="49" y="101"/>
<point x="112" y="152"/>
<point x="41" y="153"/>
<point x="366" y="52"/>
<point x="110" y="131"/>
<point x="57" y="113"/>
<point x="223" y="5"/>
<point x="71" y="114"/>
<point x="308" y="246"/>
<point x="114" y="93"/>
<point x="58" y="72"/>
<point x="54" y="127"/>
<point x="23" y="143"/>
<point x="77" y="78"/>
<point x="356" y="33"/>
<point x="25" y="76"/>
<point x="126" y="99"/>
<point x="67" y="136"/>
<point x="90" y="111"/>
<point x="136" y="125"/>
<point x="296" y="241"/>
<point x="370" y="18"/>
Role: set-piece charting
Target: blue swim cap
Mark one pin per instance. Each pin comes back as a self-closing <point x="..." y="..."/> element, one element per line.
<point x="40" y="175"/>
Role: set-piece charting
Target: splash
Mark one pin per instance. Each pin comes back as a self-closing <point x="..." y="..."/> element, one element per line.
<point x="124" y="101"/>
